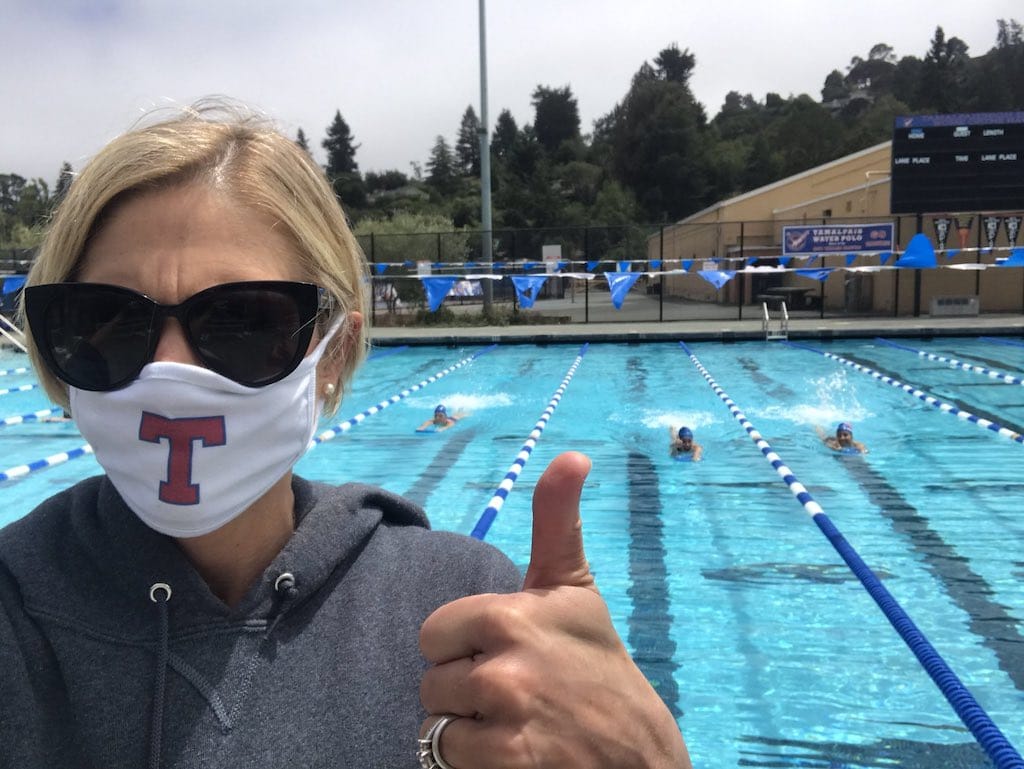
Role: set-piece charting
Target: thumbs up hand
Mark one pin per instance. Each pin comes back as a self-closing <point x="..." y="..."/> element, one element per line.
<point x="540" y="678"/>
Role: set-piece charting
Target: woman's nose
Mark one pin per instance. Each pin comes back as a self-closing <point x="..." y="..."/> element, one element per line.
<point x="172" y="346"/>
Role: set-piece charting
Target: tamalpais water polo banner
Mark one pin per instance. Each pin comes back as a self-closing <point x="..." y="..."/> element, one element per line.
<point x="830" y="238"/>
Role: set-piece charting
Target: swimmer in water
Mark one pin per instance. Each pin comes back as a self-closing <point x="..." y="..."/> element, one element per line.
<point x="441" y="420"/>
<point x="681" y="444"/>
<point x="843" y="439"/>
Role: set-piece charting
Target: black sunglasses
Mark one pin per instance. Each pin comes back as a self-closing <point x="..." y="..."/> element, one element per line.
<point x="98" y="337"/>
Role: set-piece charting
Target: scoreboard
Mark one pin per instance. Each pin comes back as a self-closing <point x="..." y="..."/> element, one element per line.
<point x="951" y="163"/>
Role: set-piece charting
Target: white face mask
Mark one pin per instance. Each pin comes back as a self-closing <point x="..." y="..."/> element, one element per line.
<point x="189" y="449"/>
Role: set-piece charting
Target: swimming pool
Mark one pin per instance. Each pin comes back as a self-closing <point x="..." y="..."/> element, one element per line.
<point x="755" y="632"/>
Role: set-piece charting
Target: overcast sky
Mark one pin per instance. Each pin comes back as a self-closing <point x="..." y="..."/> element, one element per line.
<point x="78" y="72"/>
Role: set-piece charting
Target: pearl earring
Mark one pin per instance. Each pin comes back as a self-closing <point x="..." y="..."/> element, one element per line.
<point x="329" y="388"/>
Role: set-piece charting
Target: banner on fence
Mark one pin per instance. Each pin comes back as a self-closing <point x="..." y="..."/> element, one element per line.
<point x="837" y="238"/>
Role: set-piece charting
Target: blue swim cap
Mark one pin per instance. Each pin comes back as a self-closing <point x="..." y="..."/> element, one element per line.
<point x="441" y="409"/>
<point x="844" y="427"/>
<point x="685" y="432"/>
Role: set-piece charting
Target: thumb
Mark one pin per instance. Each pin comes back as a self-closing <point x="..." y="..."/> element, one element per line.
<point x="557" y="556"/>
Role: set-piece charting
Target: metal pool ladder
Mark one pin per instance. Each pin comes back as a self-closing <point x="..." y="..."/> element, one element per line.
<point x="770" y="330"/>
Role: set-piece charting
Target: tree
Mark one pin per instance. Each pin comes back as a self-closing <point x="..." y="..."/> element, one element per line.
<point x="341" y="152"/>
<point x="442" y="174"/>
<point x="341" y="168"/>
<point x="467" y="146"/>
<point x="556" y="116"/>
<point x="64" y="178"/>
<point x="835" y="88"/>
<point x="301" y="140"/>
<point x="674" y="65"/>
<point x="505" y="133"/>
<point x="943" y="73"/>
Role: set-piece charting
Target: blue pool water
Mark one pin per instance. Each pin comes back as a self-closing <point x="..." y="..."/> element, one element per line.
<point x="766" y="647"/>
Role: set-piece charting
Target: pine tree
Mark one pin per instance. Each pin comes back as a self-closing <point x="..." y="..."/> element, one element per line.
<point x="301" y="140"/>
<point x="441" y="171"/>
<point x="64" y="179"/>
<point x="467" y="146"/>
<point x="341" y="152"/>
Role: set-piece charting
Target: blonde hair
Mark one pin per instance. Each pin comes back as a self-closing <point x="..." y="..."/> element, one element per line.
<point x="233" y="151"/>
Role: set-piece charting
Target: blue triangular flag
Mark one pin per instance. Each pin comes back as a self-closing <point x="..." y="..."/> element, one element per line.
<point x="12" y="283"/>
<point x="919" y="253"/>
<point x="471" y="264"/>
<point x="884" y="257"/>
<point x="592" y="264"/>
<point x="687" y="264"/>
<point x="818" y="274"/>
<point x="619" y="284"/>
<point x="655" y="264"/>
<point x="785" y="260"/>
<point x="437" y="289"/>
<point x="950" y="253"/>
<point x="527" y="288"/>
<point x="497" y="265"/>
<point x="717" y="278"/>
<point x="850" y="258"/>
<point x="625" y="266"/>
<point x="1015" y="259"/>
<point x="380" y="267"/>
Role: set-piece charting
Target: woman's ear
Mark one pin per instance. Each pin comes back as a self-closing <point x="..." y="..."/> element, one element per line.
<point x="328" y="371"/>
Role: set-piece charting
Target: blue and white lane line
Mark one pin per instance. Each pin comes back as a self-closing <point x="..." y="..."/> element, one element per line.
<point x="998" y="340"/>
<point x="990" y="373"/>
<point x="21" y="389"/>
<point x="931" y="400"/>
<point x="348" y="424"/>
<point x="502" y="492"/>
<point x="974" y="717"/>
<point x="13" y="371"/>
<point x="35" y="415"/>
<point x="39" y="464"/>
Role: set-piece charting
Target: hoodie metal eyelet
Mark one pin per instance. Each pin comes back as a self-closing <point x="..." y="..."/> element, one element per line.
<point x="285" y="582"/>
<point x="158" y="586"/>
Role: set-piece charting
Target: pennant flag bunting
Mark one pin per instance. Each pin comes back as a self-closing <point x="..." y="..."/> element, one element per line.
<point x="919" y="253"/>
<point x="717" y="278"/>
<point x="851" y="258"/>
<point x="785" y="260"/>
<point x="687" y="264"/>
<point x="12" y="283"/>
<point x="819" y="274"/>
<point x="619" y="284"/>
<point x="437" y="289"/>
<point x="592" y="264"/>
<point x="655" y="264"/>
<point x="527" y="288"/>
<point x="625" y="266"/>
<point x="885" y="256"/>
<point x="1015" y="259"/>
<point x="379" y="267"/>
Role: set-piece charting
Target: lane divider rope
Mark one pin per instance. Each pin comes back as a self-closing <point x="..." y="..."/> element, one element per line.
<point x="931" y="400"/>
<point x="348" y="424"/>
<point x="21" y="389"/>
<point x="974" y="717"/>
<point x="40" y="464"/>
<point x="483" y="525"/>
<point x="13" y="371"/>
<point x="990" y="373"/>
<point x="35" y="415"/>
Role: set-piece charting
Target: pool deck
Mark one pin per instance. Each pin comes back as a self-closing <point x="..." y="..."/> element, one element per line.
<point x="722" y="330"/>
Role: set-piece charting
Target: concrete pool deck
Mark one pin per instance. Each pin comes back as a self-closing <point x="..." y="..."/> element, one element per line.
<point x="700" y="330"/>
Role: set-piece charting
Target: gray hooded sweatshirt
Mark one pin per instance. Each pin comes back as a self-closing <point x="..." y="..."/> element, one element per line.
<point x="319" y="666"/>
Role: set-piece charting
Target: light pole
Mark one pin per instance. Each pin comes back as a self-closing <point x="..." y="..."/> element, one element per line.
<point x="487" y="236"/>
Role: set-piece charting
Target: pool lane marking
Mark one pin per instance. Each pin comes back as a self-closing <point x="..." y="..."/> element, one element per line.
<point x="431" y="477"/>
<point x="931" y="400"/>
<point x="653" y="648"/>
<point x="40" y="464"/>
<point x="974" y="717"/>
<point x="986" y="618"/>
<point x="21" y="389"/>
<point x="483" y="524"/>
<point x="990" y="373"/>
<point x="34" y="416"/>
<point x="348" y="424"/>
<point x="997" y="340"/>
<point x="13" y="371"/>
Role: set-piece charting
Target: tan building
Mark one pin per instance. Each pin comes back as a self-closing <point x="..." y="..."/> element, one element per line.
<point x="851" y="190"/>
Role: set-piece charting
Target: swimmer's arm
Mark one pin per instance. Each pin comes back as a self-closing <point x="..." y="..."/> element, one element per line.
<point x="698" y="452"/>
<point x="860" y="447"/>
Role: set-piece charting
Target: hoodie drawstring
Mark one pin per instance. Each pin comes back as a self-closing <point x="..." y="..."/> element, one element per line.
<point x="160" y="594"/>
<point x="285" y="590"/>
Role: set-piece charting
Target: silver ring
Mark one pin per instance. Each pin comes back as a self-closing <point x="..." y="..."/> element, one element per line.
<point x="428" y="749"/>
